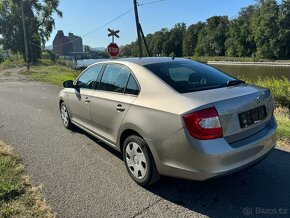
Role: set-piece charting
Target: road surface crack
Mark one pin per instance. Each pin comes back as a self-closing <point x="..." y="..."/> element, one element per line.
<point x="146" y="208"/>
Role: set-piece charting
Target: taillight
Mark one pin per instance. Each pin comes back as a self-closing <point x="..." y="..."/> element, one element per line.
<point x="204" y="124"/>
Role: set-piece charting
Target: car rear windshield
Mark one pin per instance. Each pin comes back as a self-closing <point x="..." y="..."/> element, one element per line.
<point x="189" y="76"/>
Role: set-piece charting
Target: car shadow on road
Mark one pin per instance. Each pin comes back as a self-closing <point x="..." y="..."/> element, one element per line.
<point x="261" y="190"/>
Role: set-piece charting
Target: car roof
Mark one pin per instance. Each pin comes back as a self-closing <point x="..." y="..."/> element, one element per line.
<point x="149" y="60"/>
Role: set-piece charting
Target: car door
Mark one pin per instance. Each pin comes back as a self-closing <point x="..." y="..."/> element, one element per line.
<point x="80" y="97"/>
<point x="117" y="91"/>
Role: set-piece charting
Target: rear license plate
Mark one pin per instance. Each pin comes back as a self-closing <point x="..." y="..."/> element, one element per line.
<point x="253" y="116"/>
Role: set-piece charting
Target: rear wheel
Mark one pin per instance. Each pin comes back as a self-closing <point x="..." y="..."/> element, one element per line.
<point x="65" y="118"/>
<point x="139" y="161"/>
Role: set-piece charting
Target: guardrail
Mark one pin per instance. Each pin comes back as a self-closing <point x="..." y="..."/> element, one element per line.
<point x="266" y="64"/>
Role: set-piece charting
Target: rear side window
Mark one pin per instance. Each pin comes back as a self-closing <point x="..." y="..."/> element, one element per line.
<point x="115" y="78"/>
<point x="189" y="76"/>
<point x="132" y="87"/>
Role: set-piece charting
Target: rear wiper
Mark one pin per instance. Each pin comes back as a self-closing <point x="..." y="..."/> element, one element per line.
<point x="235" y="82"/>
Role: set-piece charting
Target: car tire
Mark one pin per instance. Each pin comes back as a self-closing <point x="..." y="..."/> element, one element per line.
<point x="65" y="118"/>
<point x="139" y="161"/>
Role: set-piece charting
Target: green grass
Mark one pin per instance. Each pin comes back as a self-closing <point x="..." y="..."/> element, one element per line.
<point x="52" y="74"/>
<point x="283" y="119"/>
<point x="17" y="197"/>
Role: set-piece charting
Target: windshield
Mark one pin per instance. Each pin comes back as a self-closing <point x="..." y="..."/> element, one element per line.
<point x="189" y="76"/>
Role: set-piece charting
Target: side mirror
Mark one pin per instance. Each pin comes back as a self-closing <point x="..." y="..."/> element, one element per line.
<point x="68" y="84"/>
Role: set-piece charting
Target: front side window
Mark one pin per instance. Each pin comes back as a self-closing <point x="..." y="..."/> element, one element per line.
<point x="115" y="78"/>
<point x="189" y="76"/>
<point x="88" y="79"/>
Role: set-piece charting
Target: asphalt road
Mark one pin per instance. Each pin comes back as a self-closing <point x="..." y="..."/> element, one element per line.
<point x="82" y="177"/>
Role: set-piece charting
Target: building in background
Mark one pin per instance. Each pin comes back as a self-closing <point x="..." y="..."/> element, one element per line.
<point x="77" y="42"/>
<point x="67" y="45"/>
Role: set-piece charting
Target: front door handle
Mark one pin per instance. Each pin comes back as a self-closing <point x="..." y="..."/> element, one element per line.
<point x="87" y="100"/>
<point x="120" y="108"/>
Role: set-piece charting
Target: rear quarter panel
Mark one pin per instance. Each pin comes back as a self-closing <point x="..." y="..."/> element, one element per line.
<point x="155" y="114"/>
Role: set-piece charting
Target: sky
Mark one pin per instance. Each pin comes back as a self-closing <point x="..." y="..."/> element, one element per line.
<point x="86" y="18"/>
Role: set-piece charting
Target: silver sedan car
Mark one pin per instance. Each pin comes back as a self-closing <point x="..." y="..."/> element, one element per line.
<point x="173" y="117"/>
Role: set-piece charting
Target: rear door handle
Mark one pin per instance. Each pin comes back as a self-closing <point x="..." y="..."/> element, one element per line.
<point x="120" y="108"/>
<point x="87" y="100"/>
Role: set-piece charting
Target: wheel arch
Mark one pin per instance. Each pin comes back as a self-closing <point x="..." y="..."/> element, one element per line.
<point x="60" y="102"/>
<point x="134" y="130"/>
<point x="125" y="134"/>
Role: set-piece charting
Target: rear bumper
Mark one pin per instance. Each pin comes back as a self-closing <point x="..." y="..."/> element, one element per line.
<point x="184" y="157"/>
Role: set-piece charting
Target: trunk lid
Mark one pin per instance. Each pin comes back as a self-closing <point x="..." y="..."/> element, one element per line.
<point x="235" y="105"/>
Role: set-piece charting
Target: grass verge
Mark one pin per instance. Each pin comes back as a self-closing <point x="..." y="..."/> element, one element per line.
<point x="18" y="198"/>
<point x="282" y="115"/>
<point x="52" y="74"/>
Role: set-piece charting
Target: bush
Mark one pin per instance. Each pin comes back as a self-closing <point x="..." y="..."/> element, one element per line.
<point x="280" y="88"/>
<point x="12" y="61"/>
<point x="7" y="63"/>
<point x="45" y="62"/>
<point x="64" y="62"/>
<point x="282" y="115"/>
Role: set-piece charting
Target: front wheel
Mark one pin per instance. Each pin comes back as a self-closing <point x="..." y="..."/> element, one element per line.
<point x="139" y="161"/>
<point x="65" y="118"/>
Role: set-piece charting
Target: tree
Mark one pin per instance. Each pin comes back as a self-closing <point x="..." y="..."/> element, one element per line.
<point x="211" y="40"/>
<point x="39" y="24"/>
<point x="261" y="30"/>
<point x="176" y="38"/>
<point x="240" y="41"/>
<point x="87" y="48"/>
<point x="168" y="47"/>
<point x="191" y="38"/>
<point x="265" y="29"/>
<point x="157" y="41"/>
<point x="284" y="30"/>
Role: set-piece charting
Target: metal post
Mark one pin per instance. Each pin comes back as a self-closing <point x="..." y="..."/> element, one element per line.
<point x="25" y="36"/>
<point x="138" y="29"/>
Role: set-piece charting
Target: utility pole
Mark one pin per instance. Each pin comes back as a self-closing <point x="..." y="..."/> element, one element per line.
<point x="138" y="29"/>
<point x="145" y="42"/>
<point x="25" y="36"/>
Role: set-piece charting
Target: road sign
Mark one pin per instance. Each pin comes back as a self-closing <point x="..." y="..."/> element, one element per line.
<point x="113" y="50"/>
<point x="113" y="33"/>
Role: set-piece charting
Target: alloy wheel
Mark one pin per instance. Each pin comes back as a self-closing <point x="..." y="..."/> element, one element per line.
<point x="64" y="115"/>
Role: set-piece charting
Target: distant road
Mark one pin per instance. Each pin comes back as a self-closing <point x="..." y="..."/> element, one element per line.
<point x="266" y="64"/>
<point x="83" y="177"/>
